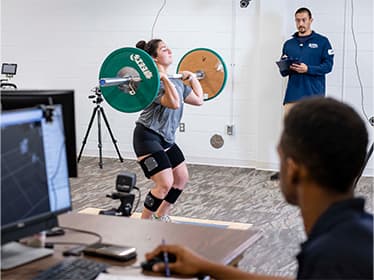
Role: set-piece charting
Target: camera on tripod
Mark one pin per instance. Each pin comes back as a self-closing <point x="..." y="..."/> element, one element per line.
<point x="9" y="70"/>
<point x="99" y="112"/>
<point x="97" y="95"/>
<point x="125" y="183"/>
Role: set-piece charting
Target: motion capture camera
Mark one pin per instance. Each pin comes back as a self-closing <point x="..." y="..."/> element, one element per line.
<point x="97" y="96"/>
<point x="371" y="120"/>
<point x="9" y="69"/>
<point x="125" y="181"/>
<point x="244" y="3"/>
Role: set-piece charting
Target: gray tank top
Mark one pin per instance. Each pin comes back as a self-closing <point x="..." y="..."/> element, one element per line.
<point x="161" y="119"/>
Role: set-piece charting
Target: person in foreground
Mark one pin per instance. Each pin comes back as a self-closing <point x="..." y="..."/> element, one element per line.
<point x="321" y="150"/>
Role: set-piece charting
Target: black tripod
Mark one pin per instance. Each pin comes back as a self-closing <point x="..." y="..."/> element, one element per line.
<point x="100" y="111"/>
<point x="125" y="209"/>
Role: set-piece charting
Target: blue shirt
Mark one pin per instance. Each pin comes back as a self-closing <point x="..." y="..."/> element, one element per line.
<point x="316" y="52"/>
<point x="340" y="245"/>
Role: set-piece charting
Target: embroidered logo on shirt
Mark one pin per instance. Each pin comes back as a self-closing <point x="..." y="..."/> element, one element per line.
<point x="330" y="51"/>
<point x="313" y="45"/>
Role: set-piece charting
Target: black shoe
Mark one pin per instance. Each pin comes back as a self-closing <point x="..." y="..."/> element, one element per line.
<point x="274" y="177"/>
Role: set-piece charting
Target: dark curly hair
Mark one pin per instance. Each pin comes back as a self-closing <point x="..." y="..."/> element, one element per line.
<point x="329" y="138"/>
<point x="150" y="47"/>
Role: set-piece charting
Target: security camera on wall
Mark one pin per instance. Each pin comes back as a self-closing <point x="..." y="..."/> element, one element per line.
<point x="244" y="3"/>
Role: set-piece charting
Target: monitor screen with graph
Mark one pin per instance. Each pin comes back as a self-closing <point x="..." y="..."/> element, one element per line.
<point x="34" y="173"/>
<point x="18" y="99"/>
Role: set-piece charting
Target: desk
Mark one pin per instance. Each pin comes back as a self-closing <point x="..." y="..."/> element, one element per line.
<point x="225" y="246"/>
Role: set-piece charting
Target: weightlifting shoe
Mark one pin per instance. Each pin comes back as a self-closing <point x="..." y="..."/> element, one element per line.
<point x="164" y="218"/>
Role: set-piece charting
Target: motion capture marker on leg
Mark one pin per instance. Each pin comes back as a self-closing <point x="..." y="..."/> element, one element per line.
<point x="172" y="195"/>
<point x="155" y="163"/>
<point x="175" y="155"/>
<point x="151" y="202"/>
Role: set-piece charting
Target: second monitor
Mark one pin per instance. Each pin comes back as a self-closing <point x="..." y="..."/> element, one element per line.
<point x="17" y="99"/>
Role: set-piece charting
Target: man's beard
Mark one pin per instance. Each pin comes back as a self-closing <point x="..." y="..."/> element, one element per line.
<point x="302" y="30"/>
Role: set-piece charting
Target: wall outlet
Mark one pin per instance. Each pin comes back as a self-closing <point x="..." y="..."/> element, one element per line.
<point x="182" y="127"/>
<point x="230" y="129"/>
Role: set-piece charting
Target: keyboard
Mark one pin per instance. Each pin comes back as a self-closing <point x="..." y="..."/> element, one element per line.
<point x="73" y="268"/>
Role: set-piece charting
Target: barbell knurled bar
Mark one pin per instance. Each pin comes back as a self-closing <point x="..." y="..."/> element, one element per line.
<point x="108" y="82"/>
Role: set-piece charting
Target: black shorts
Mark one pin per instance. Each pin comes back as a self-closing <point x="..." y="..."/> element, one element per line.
<point x="146" y="141"/>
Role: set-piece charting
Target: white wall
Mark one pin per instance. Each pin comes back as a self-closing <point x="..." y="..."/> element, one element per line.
<point x="62" y="44"/>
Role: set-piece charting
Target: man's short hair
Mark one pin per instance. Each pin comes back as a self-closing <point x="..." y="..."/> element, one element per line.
<point x="329" y="138"/>
<point x="304" y="10"/>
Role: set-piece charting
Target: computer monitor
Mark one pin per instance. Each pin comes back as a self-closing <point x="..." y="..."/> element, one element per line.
<point x="35" y="186"/>
<point x="9" y="69"/>
<point x="16" y="99"/>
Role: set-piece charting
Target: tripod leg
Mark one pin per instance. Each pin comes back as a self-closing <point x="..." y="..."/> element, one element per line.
<point x="111" y="134"/>
<point x="367" y="157"/>
<point x="87" y="132"/>
<point x="99" y="138"/>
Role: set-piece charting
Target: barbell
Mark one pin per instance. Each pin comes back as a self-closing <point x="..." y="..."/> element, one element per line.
<point x="129" y="78"/>
<point x="107" y="82"/>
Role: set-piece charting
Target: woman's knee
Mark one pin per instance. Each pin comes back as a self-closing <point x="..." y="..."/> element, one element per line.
<point x="162" y="189"/>
<point x="181" y="176"/>
<point x="163" y="182"/>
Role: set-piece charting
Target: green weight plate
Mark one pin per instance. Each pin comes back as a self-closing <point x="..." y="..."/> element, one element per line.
<point x="138" y="61"/>
<point x="213" y="66"/>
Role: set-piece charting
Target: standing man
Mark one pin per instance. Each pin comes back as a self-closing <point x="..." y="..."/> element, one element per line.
<point x="312" y="58"/>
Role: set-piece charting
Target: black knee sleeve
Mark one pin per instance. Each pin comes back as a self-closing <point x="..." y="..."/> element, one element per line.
<point x="151" y="202"/>
<point x="175" y="155"/>
<point x="155" y="163"/>
<point x="172" y="195"/>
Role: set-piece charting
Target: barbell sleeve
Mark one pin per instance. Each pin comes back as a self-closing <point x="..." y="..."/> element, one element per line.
<point x="108" y="82"/>
<point x="198" y="74"/>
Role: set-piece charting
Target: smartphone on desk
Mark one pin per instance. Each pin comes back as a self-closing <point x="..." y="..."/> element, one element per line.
<point x="122" y="253"/>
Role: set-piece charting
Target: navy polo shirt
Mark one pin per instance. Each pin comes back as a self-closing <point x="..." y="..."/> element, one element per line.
<point x="316" y="52"/>
<point x="340" y="245"/>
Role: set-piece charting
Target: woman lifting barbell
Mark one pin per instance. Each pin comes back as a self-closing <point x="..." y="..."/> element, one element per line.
<point x="154" y="136"/>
